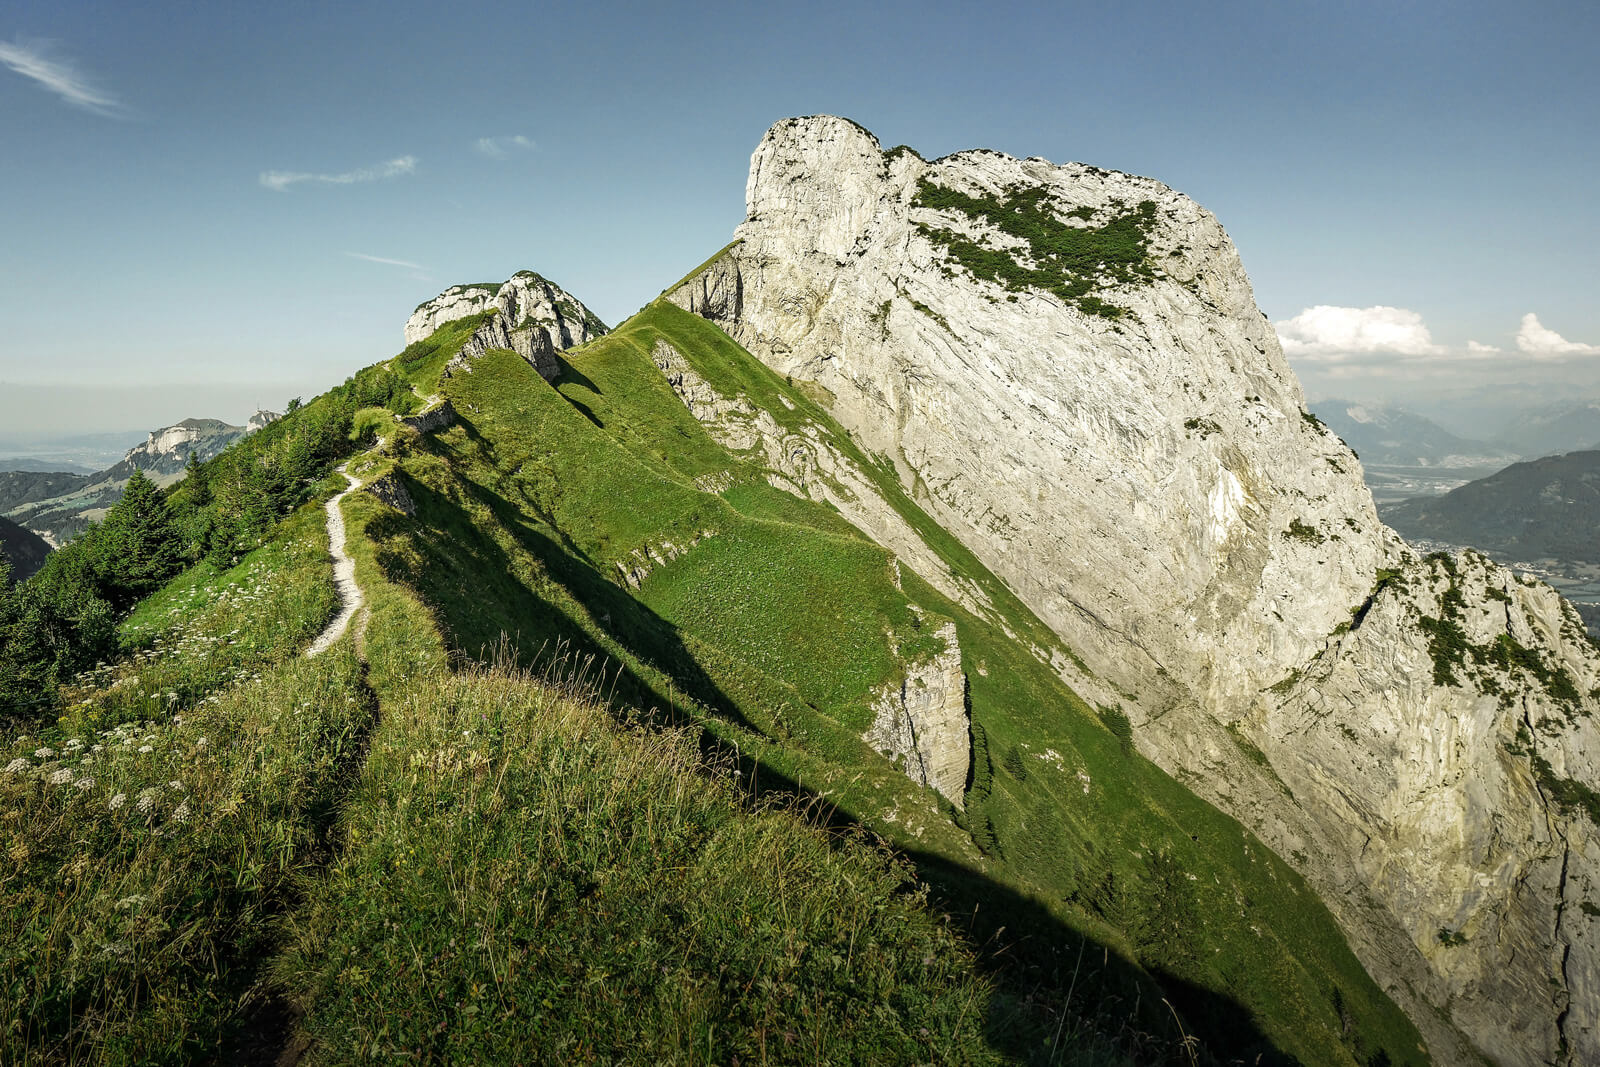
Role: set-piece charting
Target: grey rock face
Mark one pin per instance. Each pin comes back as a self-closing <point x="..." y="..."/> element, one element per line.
<point x="536" y="319"/>
<point x="392" y="491"/>
<point x="435" y="418"/>
<point x="1149" y="483"/>
<point x="922" y="723"/>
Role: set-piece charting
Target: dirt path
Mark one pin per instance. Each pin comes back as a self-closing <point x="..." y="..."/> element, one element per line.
<point x="344" y="571"/>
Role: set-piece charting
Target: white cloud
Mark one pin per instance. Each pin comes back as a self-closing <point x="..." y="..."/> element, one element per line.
<point x="59" y="76"/>
<point x="1326" y="332"/>
<point x="387" y="262"/>
<point x="280" y="180"/>
<point x="500" y="147"/>
<point x="1541" y="342"/>
<point x="1474" y="348"/>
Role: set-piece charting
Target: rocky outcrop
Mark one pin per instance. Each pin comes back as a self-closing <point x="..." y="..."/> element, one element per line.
<point x="536" y="319"/>
<point x="1068" y="370"/>
<point x="392" y="491"/>
<point x="642" y="561"/>
<point x="921" y="724"/>
<point x="435" y="418"/>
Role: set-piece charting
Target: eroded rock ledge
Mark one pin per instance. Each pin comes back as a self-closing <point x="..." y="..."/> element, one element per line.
<point x="922" y="723"/>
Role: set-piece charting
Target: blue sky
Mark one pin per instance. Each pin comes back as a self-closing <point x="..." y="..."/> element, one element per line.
<point x="226" y="206"/>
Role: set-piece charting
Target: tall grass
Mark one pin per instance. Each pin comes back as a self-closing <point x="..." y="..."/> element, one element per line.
<point x="524" y="881"/>
<point x="211" y="628"/>
<point x="143" y="865"/>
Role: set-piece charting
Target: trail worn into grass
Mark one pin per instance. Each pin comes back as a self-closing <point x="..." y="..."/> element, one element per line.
<point x="344" y="571"/>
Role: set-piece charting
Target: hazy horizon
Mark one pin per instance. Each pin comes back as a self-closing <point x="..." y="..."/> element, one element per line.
<point x="238" y="202"/>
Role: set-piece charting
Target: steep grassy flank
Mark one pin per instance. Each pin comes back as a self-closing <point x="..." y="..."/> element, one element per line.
<point x="151" y="837"/>
<point x="772" y="633"/>
<point x="422" y="361"/>
<point x="209" y="628"/>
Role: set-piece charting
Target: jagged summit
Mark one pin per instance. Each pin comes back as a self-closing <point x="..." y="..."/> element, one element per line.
<point x="526" y="299"/>
<point x="532" y="316"/>
<point x="1066" y="367"/>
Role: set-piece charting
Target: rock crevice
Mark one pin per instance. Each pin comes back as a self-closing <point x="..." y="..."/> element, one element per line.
<point x="921" y="723"/>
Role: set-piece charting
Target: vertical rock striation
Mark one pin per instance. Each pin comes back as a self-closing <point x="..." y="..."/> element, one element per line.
<point x="921" y="723"/>
<point x="1068" y="370"/>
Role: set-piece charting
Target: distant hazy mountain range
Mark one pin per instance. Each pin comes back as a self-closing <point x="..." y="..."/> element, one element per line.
<point x="58" y="504"/>
<point x="1392" y="436"/>
<point x="1546" y="508"/>
<point x="1557" y="428"/>
<point x="36" y="465"/>
<point x="1406" y="455"/>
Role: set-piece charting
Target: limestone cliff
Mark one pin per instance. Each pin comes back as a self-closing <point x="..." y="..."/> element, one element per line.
<point x="163" y="457"/>
<point x="536" y="319"/>
<point x="921" y="722"/>
<point x="1067" y="369"/>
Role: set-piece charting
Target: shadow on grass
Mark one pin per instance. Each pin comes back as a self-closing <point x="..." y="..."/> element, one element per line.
<point x="468" y="579"/>
<point x="1061" y="996"/>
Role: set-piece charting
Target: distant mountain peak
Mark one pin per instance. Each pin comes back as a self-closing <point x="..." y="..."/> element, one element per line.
<point x="533" y="317"/>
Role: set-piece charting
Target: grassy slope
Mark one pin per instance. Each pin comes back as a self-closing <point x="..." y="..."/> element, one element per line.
<point x="510" y="873"/>
<point x="772" y="633"/>
<point x="152" y="836"/>
<point x="523" y="877"/>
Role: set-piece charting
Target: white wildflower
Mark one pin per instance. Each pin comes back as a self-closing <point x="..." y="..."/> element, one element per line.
<point x="147" y="799"/>
<point x="44" y="753"/>
<point x="182" y="812"/>
<point x="174" y="785"/>
<point x="85" y="783"/>
<point x="75" y="743"/>
<point x="17" y="766"/>
<point x="117" y="801"/>
<point x="146" y="748"/>
<point x="202" y="743"/>
<point x="61" y="777"/>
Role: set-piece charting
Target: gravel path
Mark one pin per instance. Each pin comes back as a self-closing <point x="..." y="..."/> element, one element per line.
<point x="344" y="571"/>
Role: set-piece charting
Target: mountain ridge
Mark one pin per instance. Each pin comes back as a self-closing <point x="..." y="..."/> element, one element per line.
<point x="1542" y="508"/>
<point x="969" y="504"/>
<point x="1215" y="635"/>
<point x="58" y="505"/>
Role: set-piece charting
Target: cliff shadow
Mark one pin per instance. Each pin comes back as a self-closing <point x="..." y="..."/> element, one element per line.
<point x="487" y="606"/>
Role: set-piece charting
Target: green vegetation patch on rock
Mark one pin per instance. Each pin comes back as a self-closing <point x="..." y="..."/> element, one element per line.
<point x="1072" y="262"/>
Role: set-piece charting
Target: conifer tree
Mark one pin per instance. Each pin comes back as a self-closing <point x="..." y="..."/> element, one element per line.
<point x="139" y="546"/>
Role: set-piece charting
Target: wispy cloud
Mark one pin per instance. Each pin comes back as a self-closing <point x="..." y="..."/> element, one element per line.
<point x="500" y="147"/>
<point x="280" y="180"/>
<point x="31" y="59"/>
<point x="386" y="262"/>
<point x="1326" y="332"/>
<point x="1478" y="348"/>
<point x="1541" y="342"/>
